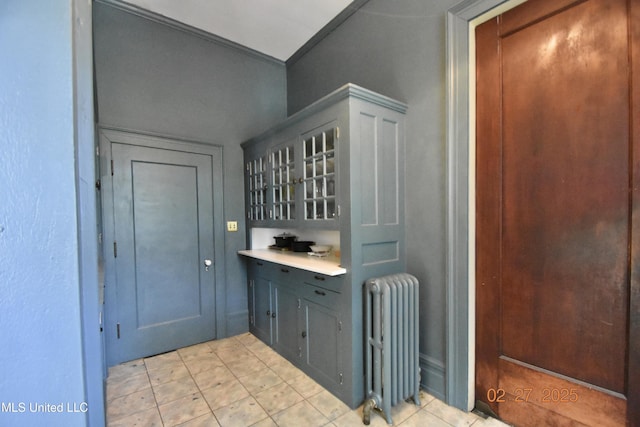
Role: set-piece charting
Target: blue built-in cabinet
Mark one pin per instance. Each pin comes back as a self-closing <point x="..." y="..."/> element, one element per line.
<point x="336" y="165"/>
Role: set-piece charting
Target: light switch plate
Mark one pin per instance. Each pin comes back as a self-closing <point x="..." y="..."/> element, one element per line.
<point x="232" y="225"/>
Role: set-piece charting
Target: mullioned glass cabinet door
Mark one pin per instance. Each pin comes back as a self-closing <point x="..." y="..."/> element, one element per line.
<point x="257" y="178"/>
<point x="319" y="180"/>
<point x="283" y="183"/>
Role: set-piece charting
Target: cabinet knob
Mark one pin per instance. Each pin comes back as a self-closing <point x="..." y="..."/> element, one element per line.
<point x="304" y="334"/>
<point x="268" y="313"/>
<point x="273" y="315"/>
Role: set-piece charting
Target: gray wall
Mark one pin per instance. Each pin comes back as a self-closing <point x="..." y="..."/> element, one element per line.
<point x="397" y="48"/>
<point x="151" y="77"/>
<point x="206" y="91"/>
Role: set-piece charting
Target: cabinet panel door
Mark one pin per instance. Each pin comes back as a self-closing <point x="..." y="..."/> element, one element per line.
<point x="322" y="352"/>
<point x="286" y="321"/>
<point x="262" y="310"/>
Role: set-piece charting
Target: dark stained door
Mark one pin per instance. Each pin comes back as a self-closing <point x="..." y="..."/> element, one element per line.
<point x="557" y="196"/>
<point x="164" y="229"/>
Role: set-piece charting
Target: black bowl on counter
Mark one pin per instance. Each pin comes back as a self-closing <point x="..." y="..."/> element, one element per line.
<point x="284" y="240"/>
<point x="302" y="246"/>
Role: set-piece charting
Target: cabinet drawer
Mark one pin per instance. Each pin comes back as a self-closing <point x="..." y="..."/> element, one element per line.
<point x="332" y="283"/>
<point x="285" y="274"/>
<point x="321" y="296"/>
<point x="259" y="268"/>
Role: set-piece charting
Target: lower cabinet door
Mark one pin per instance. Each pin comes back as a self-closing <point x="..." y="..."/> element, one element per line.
<point x="321" y="350"/>
<point x="262" y="320"/>
<point x="285" y="321"/>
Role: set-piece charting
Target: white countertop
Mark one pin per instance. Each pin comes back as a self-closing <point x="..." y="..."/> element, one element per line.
<point x="329" y="265"/>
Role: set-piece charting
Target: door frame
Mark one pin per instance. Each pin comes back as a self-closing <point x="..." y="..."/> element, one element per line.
<point x="109" y="135"/>
<point x="460" y="227"/>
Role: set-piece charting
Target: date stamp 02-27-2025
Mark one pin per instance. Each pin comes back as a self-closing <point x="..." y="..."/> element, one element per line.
<point x="523" y="395"/>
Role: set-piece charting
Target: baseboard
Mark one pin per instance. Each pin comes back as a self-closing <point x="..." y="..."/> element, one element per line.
<point x="432" y="376"/>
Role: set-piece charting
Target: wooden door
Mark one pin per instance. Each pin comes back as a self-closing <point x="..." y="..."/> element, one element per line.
<point x="557" y="273"/>
<point x="163" y="232"/>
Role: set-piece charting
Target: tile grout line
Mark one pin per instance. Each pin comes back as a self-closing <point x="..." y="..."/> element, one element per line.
<point x="197" y="386"/>
<point x="146" y="373"/>
<point x="270" y="416"/>
<point x="232" y="373"/>
<point x="304" y="398"/>
<point x="237" y="379"/>
<point x="251" y="394"/>
<point x="146" y="370"/>
<point x="250" y="347"/>
<point x="287" y="382"/>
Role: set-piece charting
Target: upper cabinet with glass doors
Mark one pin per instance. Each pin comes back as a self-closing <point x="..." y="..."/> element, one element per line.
<point x="338" y="155"/>
<point x="294" y="183"/>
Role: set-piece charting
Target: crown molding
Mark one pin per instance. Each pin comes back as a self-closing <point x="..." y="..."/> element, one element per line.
<point x="161" y="19"/>
<point x="326" y="30"/>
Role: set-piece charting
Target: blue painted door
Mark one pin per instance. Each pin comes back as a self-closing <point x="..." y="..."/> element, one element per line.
<point x="262" y="310"/>
<point x="285" y="312"/>
<point x="164" y="233"/>
<point x="322" y="352"/>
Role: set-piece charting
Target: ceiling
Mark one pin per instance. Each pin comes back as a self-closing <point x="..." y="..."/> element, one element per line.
<point x="276" y="28"/>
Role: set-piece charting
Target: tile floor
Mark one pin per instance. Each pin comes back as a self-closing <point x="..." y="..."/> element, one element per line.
<point x="240" y="381"/>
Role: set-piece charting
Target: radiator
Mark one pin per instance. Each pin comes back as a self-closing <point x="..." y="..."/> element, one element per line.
<point x="392" y="361"/>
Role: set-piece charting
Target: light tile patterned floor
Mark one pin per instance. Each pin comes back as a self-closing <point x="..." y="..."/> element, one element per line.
<point x="240" y="381"/>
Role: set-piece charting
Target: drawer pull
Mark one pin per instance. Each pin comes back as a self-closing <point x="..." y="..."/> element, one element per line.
<point x="320" y="292"/>
<point x="318" y="277"/>
<point x="259" y="263"/>
<point x="284" y="270"/>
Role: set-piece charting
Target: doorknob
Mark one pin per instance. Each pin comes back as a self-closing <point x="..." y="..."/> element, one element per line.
<point x="207" y="264"/>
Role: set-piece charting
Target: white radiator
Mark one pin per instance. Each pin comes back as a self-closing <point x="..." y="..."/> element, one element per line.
<point x="392" y="353"/>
